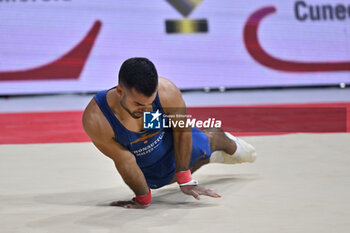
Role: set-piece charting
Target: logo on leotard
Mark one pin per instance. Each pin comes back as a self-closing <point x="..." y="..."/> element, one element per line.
<point x="152" y="120"/>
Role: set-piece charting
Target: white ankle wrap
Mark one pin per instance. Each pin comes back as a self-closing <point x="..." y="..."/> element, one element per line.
<point x="244" y="153"/>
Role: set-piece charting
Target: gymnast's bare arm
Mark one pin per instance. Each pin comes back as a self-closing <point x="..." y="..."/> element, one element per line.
<point x="173" y="104"/>
<point x="98" y="129"/>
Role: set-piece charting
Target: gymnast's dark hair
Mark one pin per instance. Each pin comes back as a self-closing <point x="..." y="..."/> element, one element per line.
<point x="139" y="73"/>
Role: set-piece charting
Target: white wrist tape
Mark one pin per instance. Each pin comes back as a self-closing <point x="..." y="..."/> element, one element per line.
<point x="192" y="182"/>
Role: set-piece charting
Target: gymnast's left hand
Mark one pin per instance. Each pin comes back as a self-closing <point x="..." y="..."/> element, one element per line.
<point x="196" y="191"/>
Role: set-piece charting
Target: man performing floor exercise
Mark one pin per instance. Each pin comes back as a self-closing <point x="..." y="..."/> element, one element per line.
<point x="152" y="158"/>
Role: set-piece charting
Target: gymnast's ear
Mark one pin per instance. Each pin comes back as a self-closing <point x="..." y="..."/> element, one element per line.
<point x="120" y="90"/>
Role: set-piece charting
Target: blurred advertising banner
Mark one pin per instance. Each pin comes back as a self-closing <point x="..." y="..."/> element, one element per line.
<point x="59" y="46"/>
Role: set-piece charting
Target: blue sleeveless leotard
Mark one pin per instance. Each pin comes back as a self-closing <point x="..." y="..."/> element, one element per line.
<point x="153" y="148"/>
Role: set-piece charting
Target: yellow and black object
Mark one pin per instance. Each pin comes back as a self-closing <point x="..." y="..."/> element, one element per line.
<point x="186" y="26"/>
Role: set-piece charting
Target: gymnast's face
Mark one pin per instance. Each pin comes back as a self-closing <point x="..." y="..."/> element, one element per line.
<point x="134" y="102"/>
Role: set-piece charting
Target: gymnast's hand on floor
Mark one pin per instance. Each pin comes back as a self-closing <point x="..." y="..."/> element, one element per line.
<point x="133" y="204"/>
<point x="196" y="191"/>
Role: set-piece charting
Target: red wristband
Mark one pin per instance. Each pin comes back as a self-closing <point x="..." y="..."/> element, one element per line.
<point x="183" y="177"/>
<point x="144" y="199"/>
